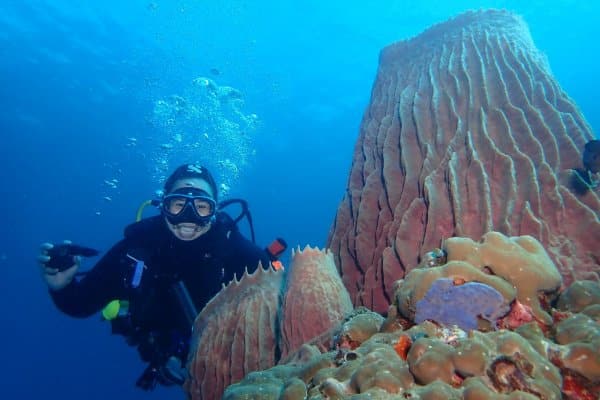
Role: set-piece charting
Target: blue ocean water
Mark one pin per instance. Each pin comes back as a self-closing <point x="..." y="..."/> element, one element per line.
<point x="98" y="101"/>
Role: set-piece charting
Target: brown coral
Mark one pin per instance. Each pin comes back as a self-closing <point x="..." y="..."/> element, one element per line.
<point x="466" y="132"/>
<point x="358" y="327"/>
<point x="579" y="336"/>
<point x="496" y="365"/>
<point x="517" y="267"/>
<point x="579" y="295"/>
<point x="520" y="260"/>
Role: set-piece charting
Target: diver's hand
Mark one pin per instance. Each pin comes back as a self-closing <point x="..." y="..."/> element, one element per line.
<point x="54" y="278"/>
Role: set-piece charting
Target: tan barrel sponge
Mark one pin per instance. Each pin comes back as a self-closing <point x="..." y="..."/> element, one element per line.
<point x="315" y="299"/>
<point x="467" y="132"/>
<point x="235" y="333"/>
<point x="263" y="319"/>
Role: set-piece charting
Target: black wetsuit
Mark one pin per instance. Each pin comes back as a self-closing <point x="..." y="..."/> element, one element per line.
<point x="203" y="265"/>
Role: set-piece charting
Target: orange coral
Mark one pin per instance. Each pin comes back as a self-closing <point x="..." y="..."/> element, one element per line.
<point x="346" y="343"/>
<point x="519" y="314"/>
<point x="458" y="281"/>
<point x="456" y="380"/>
<point x="574" y="388"/>
<point x="402" y="346"/>
<point x="559" y="316"/>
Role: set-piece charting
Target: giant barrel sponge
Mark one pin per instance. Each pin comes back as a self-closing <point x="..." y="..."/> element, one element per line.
<point x="467" y="132"/>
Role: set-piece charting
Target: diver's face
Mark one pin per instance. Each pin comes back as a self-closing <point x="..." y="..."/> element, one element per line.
<point x="189" y="230"/>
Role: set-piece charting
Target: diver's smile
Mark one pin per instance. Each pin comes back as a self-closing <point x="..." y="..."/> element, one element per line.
<point x="188" y="230"/>
<point x="187" y="227"/>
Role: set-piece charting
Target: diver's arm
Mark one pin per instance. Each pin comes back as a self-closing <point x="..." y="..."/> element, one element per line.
<point x="103" y="283"/>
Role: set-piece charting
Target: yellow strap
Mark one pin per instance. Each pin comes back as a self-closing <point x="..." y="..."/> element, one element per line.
<point x="140" y="211"/>
<point x="115" y="309"/>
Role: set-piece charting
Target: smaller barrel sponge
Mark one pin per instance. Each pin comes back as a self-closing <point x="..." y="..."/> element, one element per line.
<point x="461" y="305"/>
<point x="315" y="299"/>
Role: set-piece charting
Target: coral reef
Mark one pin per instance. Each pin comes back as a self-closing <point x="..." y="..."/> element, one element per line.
<point x="360" y="325"/>
<point x="545" y="349"/>
<point x="468" y="137"/>
<point x="429" y="361"/>
<point x="467" y="132"/>
<point x="480" y="279"/>
<point x="520" y="260"/>
<point x="578" y="296"/>
<point x="263" y="318"/>
<point x="514" y="268"/>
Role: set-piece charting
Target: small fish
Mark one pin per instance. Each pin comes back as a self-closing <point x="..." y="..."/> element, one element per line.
<point x="581" y="181"/>
<point x="584" y="179"/>
<point x="591" y="156"/>
<point x="435" y="258"/>
<point x="215" y="71"/>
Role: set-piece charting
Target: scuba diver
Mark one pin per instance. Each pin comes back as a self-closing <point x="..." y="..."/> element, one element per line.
<point x="151" y="284"/>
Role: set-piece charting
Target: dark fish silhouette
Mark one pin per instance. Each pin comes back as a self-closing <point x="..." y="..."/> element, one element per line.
<point x="591" y="156"/>
<point x="62" y="255"/>
<point x="215" y="72"/>
<point x="582" y="180"/>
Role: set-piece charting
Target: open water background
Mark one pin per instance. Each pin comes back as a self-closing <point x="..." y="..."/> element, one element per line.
<point x="89" y="123"/>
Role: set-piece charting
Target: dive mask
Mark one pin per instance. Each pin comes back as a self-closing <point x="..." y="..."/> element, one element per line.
<point x="190" y="205"/>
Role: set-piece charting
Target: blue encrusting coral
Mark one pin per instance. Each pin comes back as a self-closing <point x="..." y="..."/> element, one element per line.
<point x="461" y="305"/>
